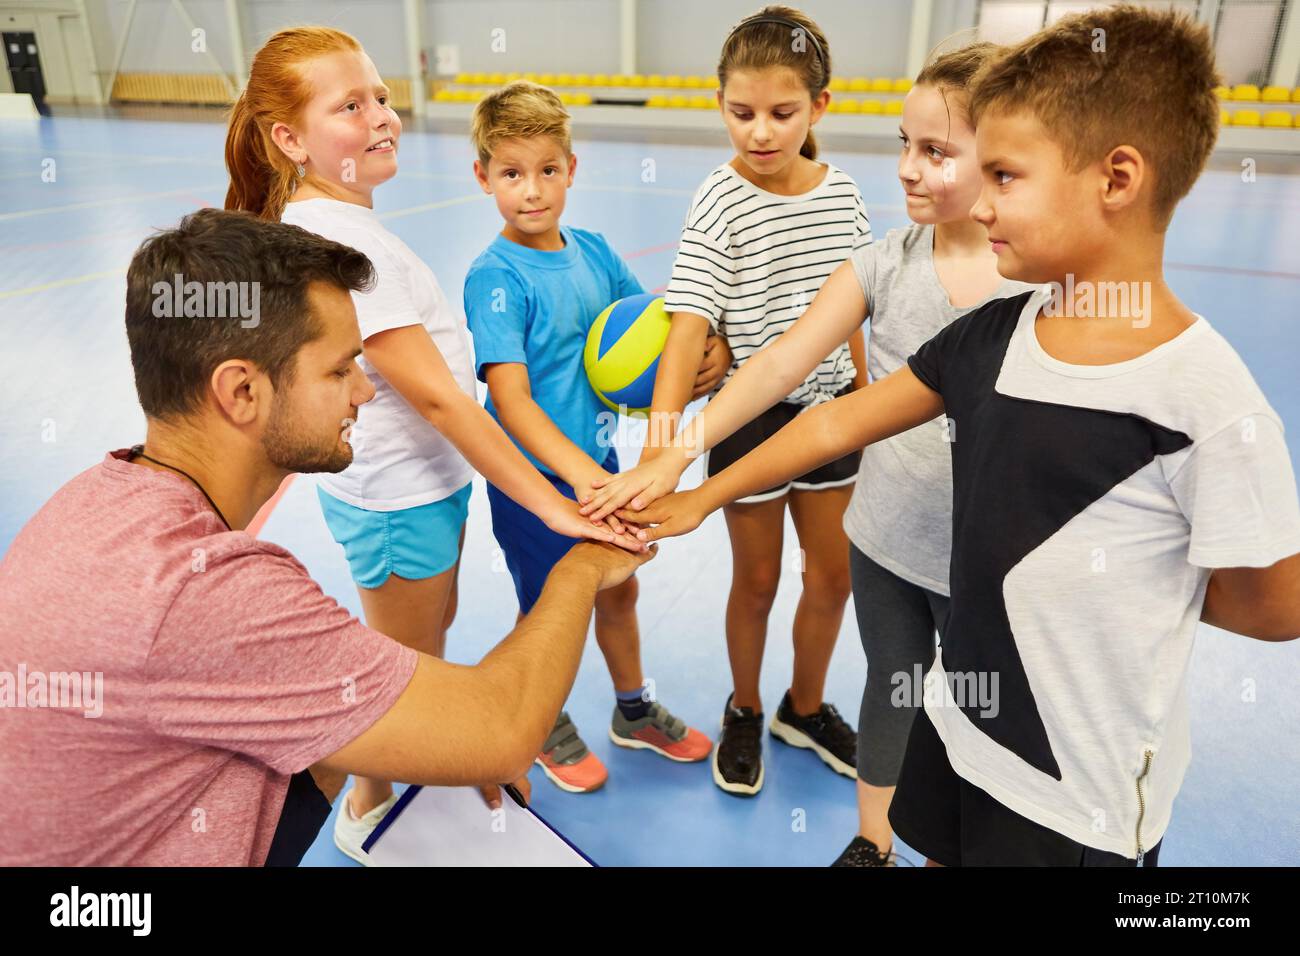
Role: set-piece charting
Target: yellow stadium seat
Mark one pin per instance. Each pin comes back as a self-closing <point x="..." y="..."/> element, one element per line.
<point x="445" y="96"/>
<point x="1277" y="119"/>
<point x="839" y="84"/>
<point x="530" y="77"/>
<point x="654" y="79"/>
<point x="894" y="108"/>
<point x="1223" y="93"/>
<point x="902" y="84"/>
<point x="1225" y="118"/>
<point x="1275" y="94"/>
<point x="1245" y="118"/>
<point x="657" y="101"/>
<point x="511" y="77"/>
<point x="882" y="84"/>
<point x="463" y="78"/>
<point x="849" y="106"/>
<point x="673" y="82"/>
<point x="563" y="79"/>
<point x="546" y="79"/>
<point x="703" y="103"/>
<point x="582" y="99"/>
<point x="636" y="79"/>
<point x="617" y="79"/>
<point x="1295" y="95"/>
<point x="581" y="79"/>
<point x="714" y="82"/>
<point x="679" y="102"/>
<point x="479" y="78"/>
<point x="599" y="79"/>
<point x="1245" y="93"/>
<point x="496" y="79"/>
<point x="873" y="106"/>
<point x="859" y="85"/>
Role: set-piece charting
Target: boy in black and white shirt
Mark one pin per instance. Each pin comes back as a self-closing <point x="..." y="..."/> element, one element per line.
<point x="1118" y="475"/>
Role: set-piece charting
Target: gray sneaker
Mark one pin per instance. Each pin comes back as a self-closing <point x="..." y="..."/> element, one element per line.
<point x="568" y="762"/>
<point x="661" y="732"/>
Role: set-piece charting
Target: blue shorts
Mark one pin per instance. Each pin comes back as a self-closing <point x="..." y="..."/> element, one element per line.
<point x="412" y="543"/>
<point x="531" y="548"/>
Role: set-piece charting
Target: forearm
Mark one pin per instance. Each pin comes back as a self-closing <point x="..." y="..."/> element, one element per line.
<point x="675" y="380"/>
<point x="827" y="432"/>
<point x="1263" y="603"/>
<point x="534" y="429"/>
<point x="468" y="426"/>
<point x="767" y="377"/>
<point x="534" y="667"/>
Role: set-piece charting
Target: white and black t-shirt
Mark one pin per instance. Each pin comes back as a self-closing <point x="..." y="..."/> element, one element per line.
<point x="751" y="261"/>
<point x="1089" y="505"/>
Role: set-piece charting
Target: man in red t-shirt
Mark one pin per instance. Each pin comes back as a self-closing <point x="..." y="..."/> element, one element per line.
<point x="166" y="680"/>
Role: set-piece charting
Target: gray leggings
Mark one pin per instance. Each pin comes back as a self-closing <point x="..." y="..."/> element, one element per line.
<point x="897" y="621"/>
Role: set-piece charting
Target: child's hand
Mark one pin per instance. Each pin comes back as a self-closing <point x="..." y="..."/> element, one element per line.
<point x="636" y="488"/>
<point x="564" y="519"/>
<point x="671" y="515"/>
<point x="717" y="360"/>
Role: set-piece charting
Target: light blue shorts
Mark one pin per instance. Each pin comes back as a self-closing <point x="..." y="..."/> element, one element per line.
<point x="412" y="543"/>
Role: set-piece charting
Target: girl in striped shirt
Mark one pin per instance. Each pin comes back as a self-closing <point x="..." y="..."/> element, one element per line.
<point x="763" y="232"/>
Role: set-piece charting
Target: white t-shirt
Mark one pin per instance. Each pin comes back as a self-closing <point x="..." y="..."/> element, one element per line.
<point x="1089" y="505"/>
<point x="751" y="261"/>
<point x="399" y="460"/>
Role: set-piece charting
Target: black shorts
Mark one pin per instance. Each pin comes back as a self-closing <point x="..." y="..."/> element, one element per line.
<point x="841" y="471"/>
<point x="955" y="823"/>
<point x="305" y="811"/>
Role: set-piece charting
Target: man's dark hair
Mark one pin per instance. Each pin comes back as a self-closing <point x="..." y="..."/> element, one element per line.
<point x="177" y="336"/>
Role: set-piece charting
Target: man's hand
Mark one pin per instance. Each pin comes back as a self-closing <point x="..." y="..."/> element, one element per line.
<point x="493" y="796"/>
<point x="671" y="515"/>
<point x="615" y="565"/>
<point x="637" y="487"/>
<point x="714" y="368"/>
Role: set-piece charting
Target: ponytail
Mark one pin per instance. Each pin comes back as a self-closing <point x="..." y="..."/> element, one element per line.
<point x="809" y="148"/>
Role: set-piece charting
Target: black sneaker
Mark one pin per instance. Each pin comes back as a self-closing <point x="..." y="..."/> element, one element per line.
<point x="862" y="852"/>
<point x="738" y="755"/>
<point x="824" y="732"/>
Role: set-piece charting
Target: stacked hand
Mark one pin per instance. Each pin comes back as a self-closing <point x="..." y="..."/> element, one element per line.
<point x="634" y="489"/>
<point x="565" y="519"/>
<point x="672" y="515"/>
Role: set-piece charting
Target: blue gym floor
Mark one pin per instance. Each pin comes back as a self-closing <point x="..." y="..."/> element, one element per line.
<point x="67" y="397"/>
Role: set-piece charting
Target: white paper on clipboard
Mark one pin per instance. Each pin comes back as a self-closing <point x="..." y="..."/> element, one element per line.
<point x="451" y="826"/>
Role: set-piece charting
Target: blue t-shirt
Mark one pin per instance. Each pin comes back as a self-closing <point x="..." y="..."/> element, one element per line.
<point x="534" y="307"/>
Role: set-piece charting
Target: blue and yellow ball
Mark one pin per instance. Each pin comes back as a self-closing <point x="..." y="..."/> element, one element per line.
<point x="622" y="353"/>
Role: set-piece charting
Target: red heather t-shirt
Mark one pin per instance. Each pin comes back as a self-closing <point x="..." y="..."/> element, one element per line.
<point x="225" y="670"/>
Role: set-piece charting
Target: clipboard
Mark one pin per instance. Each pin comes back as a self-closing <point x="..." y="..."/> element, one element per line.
<point x="451" y="826"/>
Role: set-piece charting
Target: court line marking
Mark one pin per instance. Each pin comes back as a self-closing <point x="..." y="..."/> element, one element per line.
<point x="60" y="283"/>
<point x="115" y="200"/>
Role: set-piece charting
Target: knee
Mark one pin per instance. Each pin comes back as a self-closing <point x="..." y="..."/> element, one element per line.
<point x="828" y="585"/>
<point x="756" y="585"/>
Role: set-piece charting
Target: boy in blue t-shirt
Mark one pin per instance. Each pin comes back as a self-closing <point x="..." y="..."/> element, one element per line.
<point x="530" y="300"/>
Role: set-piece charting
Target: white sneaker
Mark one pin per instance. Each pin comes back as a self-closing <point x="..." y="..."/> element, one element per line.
<point x="350" y="832"/>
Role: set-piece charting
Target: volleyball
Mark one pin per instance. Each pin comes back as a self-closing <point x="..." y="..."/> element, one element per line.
<point x="622" y="353"/>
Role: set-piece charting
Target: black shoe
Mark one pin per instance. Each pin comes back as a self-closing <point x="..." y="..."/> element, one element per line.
<point x="738" y="755"/>
<point x="862" y="852"/>
<point x="824" y="732"/>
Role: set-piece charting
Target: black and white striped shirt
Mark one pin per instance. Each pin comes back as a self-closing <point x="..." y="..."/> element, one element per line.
<point x="751" y="261"/>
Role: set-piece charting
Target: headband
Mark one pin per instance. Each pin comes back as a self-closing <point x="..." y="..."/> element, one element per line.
<point x="785" y="22"/>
